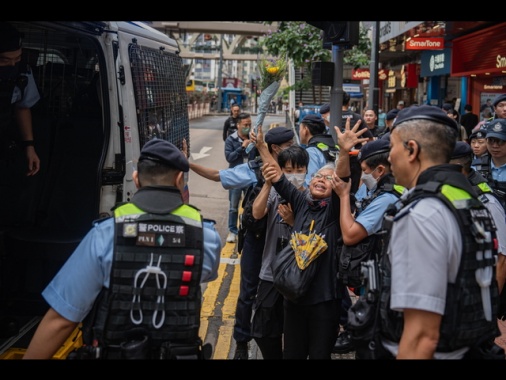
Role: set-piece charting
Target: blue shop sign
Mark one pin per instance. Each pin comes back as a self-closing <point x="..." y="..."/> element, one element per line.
<point x="435" y="62"/>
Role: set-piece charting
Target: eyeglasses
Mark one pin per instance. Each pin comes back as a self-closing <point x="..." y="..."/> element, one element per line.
<point x="494" y="141"/>
<point x="320" y="176"/>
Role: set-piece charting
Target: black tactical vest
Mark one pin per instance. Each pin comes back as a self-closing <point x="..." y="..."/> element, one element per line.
<point x="152" y="307"/>
<point x="463" y="323"/>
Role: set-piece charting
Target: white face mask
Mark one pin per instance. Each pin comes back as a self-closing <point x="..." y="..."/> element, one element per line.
<point x="297" y="179"/>
<point x="369" y="181"/>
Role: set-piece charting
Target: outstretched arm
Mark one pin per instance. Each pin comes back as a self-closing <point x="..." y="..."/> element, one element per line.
<point x="266" y="156"/>
<point x="50" y="335"/>
<point x="260" y="204"/>
<point x="209" y="173"/>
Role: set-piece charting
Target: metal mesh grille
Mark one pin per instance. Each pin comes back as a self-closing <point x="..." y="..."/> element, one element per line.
<point x="160" y="95"/>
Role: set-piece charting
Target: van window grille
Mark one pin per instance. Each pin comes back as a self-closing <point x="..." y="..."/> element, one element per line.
<point x="160" y="95"/>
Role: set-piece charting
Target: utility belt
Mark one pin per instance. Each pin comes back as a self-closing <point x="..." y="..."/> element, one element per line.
<point x="139" y="346"/>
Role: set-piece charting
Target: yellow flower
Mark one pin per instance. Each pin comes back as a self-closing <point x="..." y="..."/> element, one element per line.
<point x="271" y="70"/>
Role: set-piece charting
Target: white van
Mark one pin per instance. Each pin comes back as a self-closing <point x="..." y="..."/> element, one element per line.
<point x="106" y="89"/>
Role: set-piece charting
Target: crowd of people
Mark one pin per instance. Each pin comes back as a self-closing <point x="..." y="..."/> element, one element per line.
<point x="419" y="203"/>
<point x="406" y="210"/>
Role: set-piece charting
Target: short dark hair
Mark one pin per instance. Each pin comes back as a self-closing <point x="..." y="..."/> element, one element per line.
<point x="243" y="115"/>
<point x="346" y="98"/>
<point x="295" y="154"/>
<point x="468" y="107"/>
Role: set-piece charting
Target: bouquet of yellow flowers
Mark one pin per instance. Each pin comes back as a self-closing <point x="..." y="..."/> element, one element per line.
<point x="272" y="72"/>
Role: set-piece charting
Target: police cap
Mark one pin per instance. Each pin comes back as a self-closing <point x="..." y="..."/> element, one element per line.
<point x="462" y="149"/>
<point x="479" y="134"/>
<point x="425" y="112"/>
<point x="278" y="135"/>
<point x="498" y="99"/>
<point x="372" y="148"/>
<point x="497" y="128"/>
<point x="392" y="114"/>
<point x="165" y="152"/>
<point x="447" y="106"/>
<point x="317" y="123"/>
<point x="313" y="118"/>
<point x="324" y="108"/>
<point x="10" y="38"/>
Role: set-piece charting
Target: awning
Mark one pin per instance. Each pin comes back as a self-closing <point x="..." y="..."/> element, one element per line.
<point x="353" y="89"/>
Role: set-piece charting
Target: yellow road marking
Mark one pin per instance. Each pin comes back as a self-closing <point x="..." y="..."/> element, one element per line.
<point x="210" y="299"/>
<point x="226" y="331"/>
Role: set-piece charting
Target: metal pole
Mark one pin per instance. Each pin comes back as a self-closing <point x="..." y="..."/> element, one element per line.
<point x="220" y="80"/>
<point x="336" y="92"/>
<point x="373" y="99"/>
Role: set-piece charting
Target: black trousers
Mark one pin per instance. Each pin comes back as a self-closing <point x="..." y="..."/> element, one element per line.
<point x="310" y="331"/>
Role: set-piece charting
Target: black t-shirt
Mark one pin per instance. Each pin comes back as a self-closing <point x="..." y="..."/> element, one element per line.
<point x="354" y="118"/>
<point x="229" y="127"/>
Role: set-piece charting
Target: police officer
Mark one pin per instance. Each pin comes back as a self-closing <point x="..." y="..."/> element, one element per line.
<point x="18" y="93"/>
<point x="154" y="237"/>
<point x="481" y="156"/>
<point x="462" y="155"/>
<point x="311" y="129"/>
<point x="426" y="247"/>
<point x="499" y="107"/>
<point x="496" y="145"/>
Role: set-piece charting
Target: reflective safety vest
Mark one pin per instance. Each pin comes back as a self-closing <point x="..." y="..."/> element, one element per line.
<point x="327" y="146"/>
<point x="152" y="307"/>
<point x="466" y="320"/>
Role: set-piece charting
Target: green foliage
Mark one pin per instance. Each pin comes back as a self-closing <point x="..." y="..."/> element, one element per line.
<point x="359" y="55"/>
<point x="297" y="40"/>
<point x="303" y="44"/>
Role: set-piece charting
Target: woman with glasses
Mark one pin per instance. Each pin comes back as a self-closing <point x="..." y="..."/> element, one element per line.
<point x="311" y="322"/>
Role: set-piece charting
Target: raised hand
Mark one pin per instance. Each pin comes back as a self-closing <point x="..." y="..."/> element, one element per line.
<point x="350" y="137"/>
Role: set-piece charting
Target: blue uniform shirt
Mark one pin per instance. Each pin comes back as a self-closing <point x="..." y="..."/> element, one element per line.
<point x="316" y="162"/>
<point x="498" y="173"/>
<point x="30" y="94"/>
<point x="75" y="287"/>
<point x="238" y="177"/>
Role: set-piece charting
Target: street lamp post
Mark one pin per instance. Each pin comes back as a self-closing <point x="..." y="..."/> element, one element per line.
<point x="220" y="68"/>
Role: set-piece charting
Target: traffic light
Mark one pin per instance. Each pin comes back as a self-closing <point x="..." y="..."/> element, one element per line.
<point x="341" y="33"/>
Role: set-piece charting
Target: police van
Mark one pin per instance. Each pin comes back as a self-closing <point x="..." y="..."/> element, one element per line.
<point x="105" y="87"/>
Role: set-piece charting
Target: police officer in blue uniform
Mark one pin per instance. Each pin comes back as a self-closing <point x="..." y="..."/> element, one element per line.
<point x="18" y="93"/>
<point x="189" y="246"/>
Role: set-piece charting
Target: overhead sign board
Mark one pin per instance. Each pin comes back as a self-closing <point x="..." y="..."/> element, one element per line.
<point x="392" y="29"/>
<point x="425" y="43"/>
<point x="353" y="89"/>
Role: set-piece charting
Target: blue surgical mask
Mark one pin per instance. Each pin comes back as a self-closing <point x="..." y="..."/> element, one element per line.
<point x="245" y="131"/>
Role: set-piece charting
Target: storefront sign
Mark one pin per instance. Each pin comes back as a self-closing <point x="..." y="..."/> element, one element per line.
<point x="425" y="43"/>
<point x="391" y="84"/>
<point x="435" y="63"/>
<point x="353" y="90"/>
<point x="478" y="53"/>
<point x="361" y="74"/>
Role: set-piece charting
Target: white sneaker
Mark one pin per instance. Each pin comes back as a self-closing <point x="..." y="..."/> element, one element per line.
<point x="231" y="237"/>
